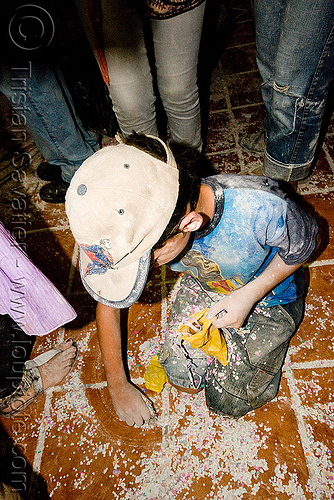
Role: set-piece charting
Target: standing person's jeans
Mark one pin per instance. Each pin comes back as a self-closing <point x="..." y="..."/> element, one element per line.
<point x="176" y="45"/>
<point x="295" y="56"/>
<point x="42" y="102"/>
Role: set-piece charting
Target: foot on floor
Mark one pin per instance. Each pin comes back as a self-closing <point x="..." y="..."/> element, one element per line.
<point x="48" y="172"/>
<point x="54" y="192"/>
<point x="44" y="371"/>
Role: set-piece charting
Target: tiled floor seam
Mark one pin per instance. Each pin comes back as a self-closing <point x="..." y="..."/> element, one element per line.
<point x="165" y="394"/>
<point x="305" y="192"/>
<point x="46" y="410"/>
<point x="42" y="429"/>
<point x="165" y="418"/>
<point x="234" y="127"/>
<point x="95" y="385"/>
<point x="320" y="263"/>
<point x="164" y="294"/>
<point x="42" y="432"/>
<point x="328" y="157"/>
<point x="311" y="365"/>
<point x="240" y="73"/>
<point x="233" y="108"/>
<point x="324" y="363"/>
<point x="241" y="13"/>
<point x="297" y="406"/>
<point x="48" y="228"/>
<point x="229" y="47"/>
<point x="74" y="261"/>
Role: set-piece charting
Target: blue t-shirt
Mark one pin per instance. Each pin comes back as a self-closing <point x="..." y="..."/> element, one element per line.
<point x="252" y="221"/>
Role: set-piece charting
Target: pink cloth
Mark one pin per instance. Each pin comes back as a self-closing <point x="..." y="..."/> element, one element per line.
<point x="26" y="295"/>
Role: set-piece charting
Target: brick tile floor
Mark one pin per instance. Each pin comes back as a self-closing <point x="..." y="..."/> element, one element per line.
<point x="71" y="442"/>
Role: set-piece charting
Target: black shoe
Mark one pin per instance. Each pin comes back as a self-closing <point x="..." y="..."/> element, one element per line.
<point x="48" y="172"/>
<point x="54" y="192"/>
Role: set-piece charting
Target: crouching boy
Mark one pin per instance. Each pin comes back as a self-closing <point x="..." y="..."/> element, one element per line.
<point x="240" y="243"/>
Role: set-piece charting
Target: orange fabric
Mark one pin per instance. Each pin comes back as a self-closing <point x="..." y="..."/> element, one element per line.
<point x="95" y="16"/>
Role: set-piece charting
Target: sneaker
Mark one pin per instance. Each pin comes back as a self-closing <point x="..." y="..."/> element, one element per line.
<point x="54" y="192"/>
<point x="254" y="143"/>
<point x="48" y="172"/>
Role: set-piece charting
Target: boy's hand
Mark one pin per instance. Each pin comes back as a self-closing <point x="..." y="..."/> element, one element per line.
<point x="129" y="404"/>
<point x="232" y="310"/>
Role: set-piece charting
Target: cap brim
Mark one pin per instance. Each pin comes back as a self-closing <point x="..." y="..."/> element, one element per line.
<point x="119" y="288"/>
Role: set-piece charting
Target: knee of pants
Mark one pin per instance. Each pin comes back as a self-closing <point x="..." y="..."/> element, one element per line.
<point x="222" y="402"/>
<point x="225" y="404"/>
<point x="180" y="95"/>
<point x="134" y="105"/>
<point x="176" y="373"/>
<point x="131" y="104"/>
<point x="183" y="374"/>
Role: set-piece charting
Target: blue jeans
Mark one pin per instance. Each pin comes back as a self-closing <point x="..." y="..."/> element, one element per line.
<point x="41" y="101"/>
<point x="295" y="56"/>
<point x="256" y="353"/>
<point x="176" y="44"/>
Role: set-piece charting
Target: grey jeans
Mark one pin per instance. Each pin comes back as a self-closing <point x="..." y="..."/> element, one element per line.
<point x="256" y="353"/>
<point x="176" y="43"/>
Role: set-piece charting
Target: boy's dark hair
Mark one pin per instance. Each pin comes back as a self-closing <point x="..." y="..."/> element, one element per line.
<point x="188" y="162"/>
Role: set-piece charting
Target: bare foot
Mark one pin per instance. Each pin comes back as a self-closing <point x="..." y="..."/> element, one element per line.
<point x="56" y="369"/>
<point x="52" y="373"/>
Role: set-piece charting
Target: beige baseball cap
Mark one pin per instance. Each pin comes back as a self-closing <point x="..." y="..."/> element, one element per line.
<point x="118" y="204"/>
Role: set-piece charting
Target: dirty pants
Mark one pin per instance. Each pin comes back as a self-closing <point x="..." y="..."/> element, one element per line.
<point x="256" y="353"/>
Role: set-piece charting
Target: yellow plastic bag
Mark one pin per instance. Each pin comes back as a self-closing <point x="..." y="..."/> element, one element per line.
<point x="155" y="376"/>
<point x="208" y="339"/>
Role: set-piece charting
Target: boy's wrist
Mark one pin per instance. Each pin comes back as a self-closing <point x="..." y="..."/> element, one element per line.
<point x="252" y="292"/>
<point x="115" y="382"/>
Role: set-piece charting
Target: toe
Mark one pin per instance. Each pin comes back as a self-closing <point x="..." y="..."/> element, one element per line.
<point x="66" y="345"/>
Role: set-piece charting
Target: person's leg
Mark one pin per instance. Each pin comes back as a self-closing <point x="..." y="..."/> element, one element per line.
<point x="268" y="19"/>
<point x="296" y="81"/>
<point x="130" y="78"/>
<point x="176" y="46"/>
<point x="252" y="375"/>
<point x="185" y="366"/>
<point x="48" y="114"/>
